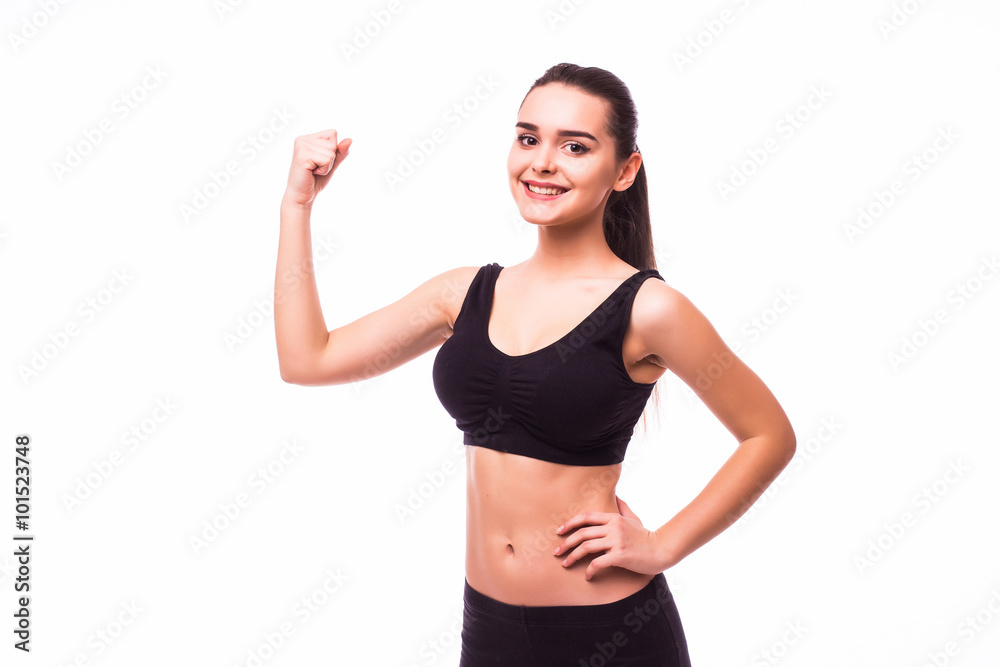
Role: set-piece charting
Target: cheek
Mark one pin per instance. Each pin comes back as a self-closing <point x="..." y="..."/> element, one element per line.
<point x="514" y="164"/>
<point x="585" y="177"/>
<point x="585" y="171"/>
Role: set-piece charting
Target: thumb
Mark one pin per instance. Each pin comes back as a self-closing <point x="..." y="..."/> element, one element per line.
<point x="343" y="148"/>
<point x="624" y="509"/>
<point x="341" y="152"/>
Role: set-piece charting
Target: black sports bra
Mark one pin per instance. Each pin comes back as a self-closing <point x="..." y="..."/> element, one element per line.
<point x="570" y="402"/>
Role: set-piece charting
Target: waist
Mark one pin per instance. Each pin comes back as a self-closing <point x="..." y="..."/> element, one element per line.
<point x="514" y="505"/>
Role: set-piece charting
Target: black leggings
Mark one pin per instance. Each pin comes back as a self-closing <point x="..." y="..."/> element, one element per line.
<point x="641" y="629"/>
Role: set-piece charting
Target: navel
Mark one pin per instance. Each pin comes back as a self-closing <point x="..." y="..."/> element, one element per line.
<point x="510" y="549"/>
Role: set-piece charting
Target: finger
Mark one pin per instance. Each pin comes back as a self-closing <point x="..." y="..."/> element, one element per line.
<point x="330" y="134"/>
<point x="584" y="519"/>
<point x="332" y="155"/>
<point x="324" y="165"/>
<point x="625" y="509"/>
<point x="598" y="564"/>
<point x="342" y="150"/>
<point x="322" y="159"/>
<point x="588" y="547"/>
<point x="588" y="533"/>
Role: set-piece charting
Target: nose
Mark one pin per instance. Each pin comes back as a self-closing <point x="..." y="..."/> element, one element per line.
<point x="542" y="160"/>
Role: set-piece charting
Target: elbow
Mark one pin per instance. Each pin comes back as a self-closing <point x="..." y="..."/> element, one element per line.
<point x="789" y="453"/>
<point x="288" y="376"/>
<point x="788" y="441"/>
<point x="292" y="374"/>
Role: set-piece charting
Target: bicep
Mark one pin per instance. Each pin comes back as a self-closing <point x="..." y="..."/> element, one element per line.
<point x="387" y="338"/>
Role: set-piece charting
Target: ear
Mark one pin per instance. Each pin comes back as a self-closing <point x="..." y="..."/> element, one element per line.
<point x="628" y="172"/>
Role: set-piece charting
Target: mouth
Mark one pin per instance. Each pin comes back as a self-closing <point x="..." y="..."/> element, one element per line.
<point x="538" y="192"/>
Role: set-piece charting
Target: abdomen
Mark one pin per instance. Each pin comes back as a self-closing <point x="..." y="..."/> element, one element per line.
<point x="514" y="505"/>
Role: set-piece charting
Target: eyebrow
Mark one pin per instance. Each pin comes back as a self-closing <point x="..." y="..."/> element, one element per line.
<point x="560" y="133"/>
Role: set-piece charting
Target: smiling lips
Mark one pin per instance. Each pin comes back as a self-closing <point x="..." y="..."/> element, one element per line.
<point x="544" y="189"/>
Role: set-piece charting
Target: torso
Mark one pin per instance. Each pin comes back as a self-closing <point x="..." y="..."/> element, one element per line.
<point x="515" y="503"/>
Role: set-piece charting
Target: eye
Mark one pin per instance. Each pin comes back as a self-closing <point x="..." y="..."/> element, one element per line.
<point x="581" y="149"/>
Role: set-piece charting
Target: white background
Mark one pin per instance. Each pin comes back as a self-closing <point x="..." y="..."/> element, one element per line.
<point x="826" y="550"/>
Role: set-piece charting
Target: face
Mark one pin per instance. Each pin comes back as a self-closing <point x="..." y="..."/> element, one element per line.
<point x="561" y="143"/>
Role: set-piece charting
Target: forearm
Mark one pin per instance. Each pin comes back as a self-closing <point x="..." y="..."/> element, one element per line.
<point x="727" y="496"/>
<point x="299" y="328"/>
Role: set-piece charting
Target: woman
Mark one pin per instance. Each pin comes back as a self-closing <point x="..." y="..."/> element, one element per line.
<point x="546" y="366"/>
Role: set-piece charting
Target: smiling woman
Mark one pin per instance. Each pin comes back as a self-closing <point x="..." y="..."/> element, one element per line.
<point x="546" y="366"/>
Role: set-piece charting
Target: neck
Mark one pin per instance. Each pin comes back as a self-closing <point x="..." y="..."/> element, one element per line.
<point x="573" y="248"/>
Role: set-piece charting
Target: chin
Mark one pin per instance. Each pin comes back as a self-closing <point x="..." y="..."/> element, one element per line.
<point x="531" y="216"/>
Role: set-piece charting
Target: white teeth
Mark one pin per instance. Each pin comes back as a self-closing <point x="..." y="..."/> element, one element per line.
<point x="544" y="191"/>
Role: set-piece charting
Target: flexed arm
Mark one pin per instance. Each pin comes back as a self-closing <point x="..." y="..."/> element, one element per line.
<point x="309" y="354"/>
<point x="299" y="327"/>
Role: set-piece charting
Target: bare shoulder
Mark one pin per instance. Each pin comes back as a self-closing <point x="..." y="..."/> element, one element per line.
<point x="656" y="304"/>
<point x="454" y="284"/>
<point x="674" y="334"/>
<point x="661" y="315"/>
